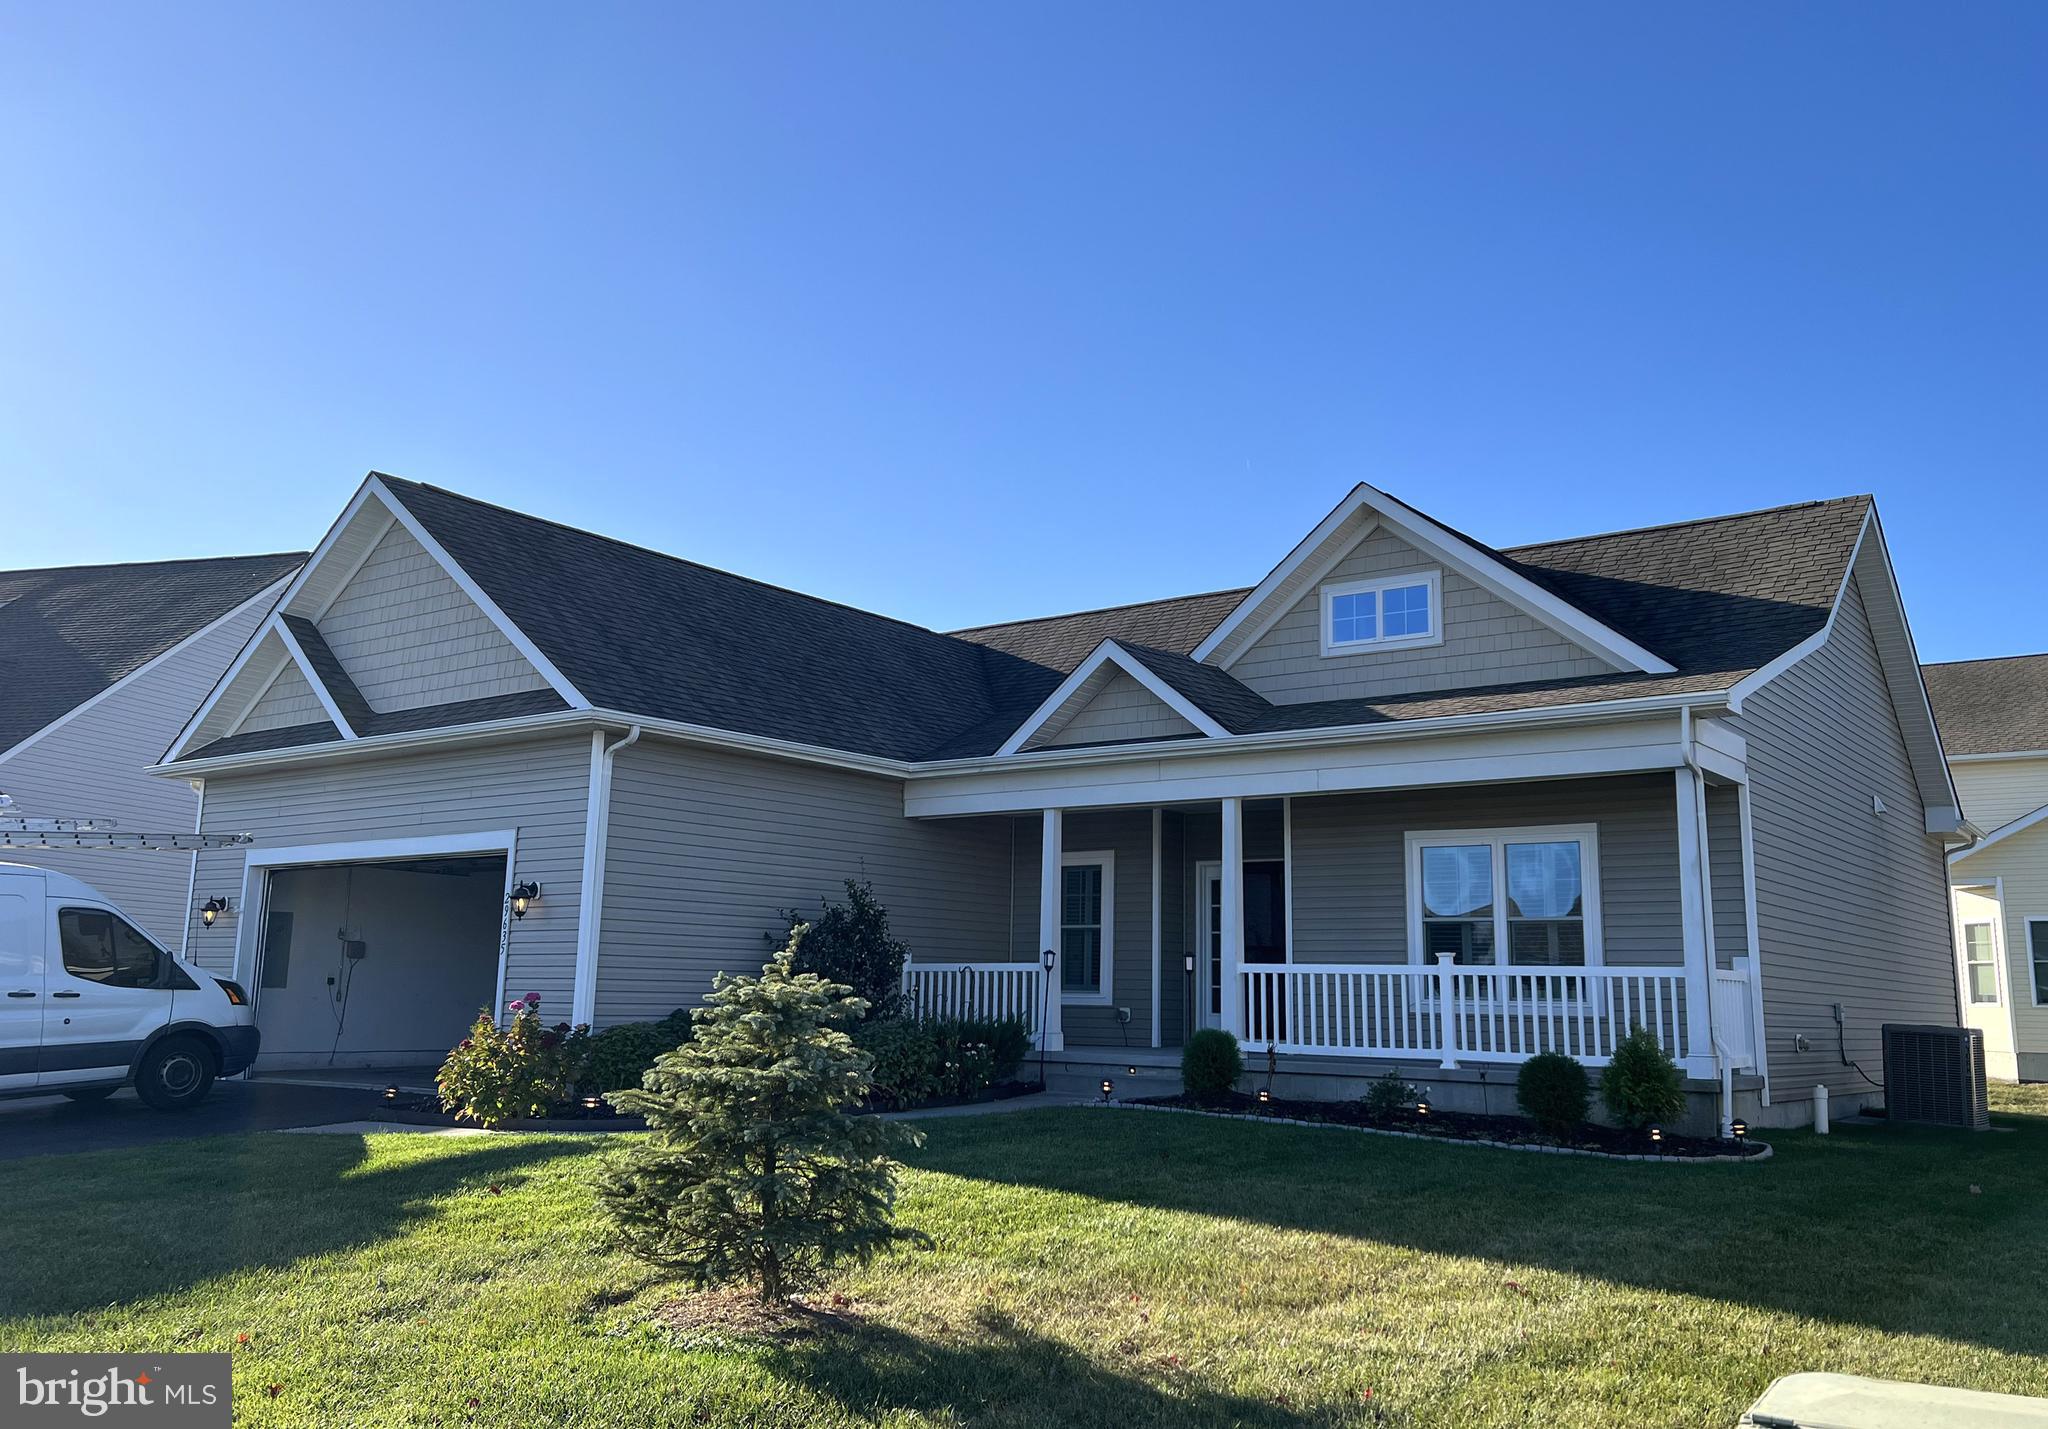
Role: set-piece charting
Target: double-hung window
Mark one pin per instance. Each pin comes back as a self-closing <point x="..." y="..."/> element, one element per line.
<point x="1521" y="897"/>
<point x="2037" y="950"/>
<point x="1384" y="613"/>
<point x="1087" y="925"/>
<point x="1980" y="962"/>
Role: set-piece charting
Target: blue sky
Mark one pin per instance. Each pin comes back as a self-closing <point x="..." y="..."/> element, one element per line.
<point x="974" y="311"/>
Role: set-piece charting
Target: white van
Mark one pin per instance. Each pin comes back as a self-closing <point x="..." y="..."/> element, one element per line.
<point x="89" y="1003"/>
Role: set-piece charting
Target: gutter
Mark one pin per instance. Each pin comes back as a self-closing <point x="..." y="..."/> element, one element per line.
<point x="769" y="747"/>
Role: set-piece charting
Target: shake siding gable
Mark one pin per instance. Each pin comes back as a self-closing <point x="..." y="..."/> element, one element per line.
<point x="409" y="636"/>
<point x="540" y="788"/>
<point x="1122" y="709"/>
<point x="706" y="849"/>
<point x="92" y="767"/>
<point x="289" y="701"/>
<point x="1486" y="641"/>
<point x="1852" y="905"/>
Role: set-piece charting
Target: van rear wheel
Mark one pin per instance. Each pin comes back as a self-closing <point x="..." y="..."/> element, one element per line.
<point x="175" y="1073"/>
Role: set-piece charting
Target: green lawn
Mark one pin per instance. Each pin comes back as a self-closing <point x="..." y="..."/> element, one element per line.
<point x="1087" y="1267"/>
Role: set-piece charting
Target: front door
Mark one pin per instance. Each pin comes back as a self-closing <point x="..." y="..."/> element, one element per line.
<point x="1265" y="927"/>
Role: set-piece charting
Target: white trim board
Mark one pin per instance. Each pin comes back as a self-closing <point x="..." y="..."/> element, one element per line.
<point x="1476" y="565"/>
<point x="313" y="681"/>
<point x="1110" y="653"/>
<point x="269" y="592"/>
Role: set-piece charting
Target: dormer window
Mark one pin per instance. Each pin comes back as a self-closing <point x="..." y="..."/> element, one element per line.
<point x="1384" y="613"/>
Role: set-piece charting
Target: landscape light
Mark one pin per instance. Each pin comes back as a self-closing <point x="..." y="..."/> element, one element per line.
<point x="1107" y="1087"/>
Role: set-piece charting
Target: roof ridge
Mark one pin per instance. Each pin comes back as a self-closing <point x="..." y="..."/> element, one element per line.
<point x="170" y="561"/>
<point x="1983" y="660"/>
<point x="659" y="555"/>
<point x="1692" y="521"/>
<point x="1099" y="610"/>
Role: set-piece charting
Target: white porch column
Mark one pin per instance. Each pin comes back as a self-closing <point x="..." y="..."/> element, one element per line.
<point x="1233" y="917"/>
<point x="1692" y="907"/>
<point x="1052" y="1037"/>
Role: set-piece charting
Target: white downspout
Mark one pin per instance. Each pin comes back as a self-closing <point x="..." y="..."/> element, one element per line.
<point x="596" y="837"/>
<point x="1722" y="1061"/>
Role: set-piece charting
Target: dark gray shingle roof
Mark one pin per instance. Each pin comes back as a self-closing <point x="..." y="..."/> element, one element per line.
<point x="650" y="634"/>
<point x="1990" y="706"/>
<point x="69" y="633"/>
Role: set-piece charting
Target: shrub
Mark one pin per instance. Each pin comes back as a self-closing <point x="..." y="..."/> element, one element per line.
<point x="1389" y="1098"/>
<point x="1210" y="1064"/>
<point x="850" y="943"/>
<point x="1641" y="1084"/>
<point x="756" y="1169"/>
<point x="619" y="1056"/>
<point x="917" y="1062"/>
<point x="1553" y="1092"/>
<point x="522" y="1069"/>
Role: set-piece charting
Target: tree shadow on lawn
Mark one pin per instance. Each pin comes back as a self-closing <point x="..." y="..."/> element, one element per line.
<point x="1906" y="1230"/>
<point x="1004" y="1377"/>
<point x="84" y="1232"/>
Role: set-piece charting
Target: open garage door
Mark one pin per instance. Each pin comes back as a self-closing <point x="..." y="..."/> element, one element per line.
<point x="376" y="964"/>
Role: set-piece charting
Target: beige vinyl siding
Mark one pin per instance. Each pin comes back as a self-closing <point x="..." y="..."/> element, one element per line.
<point x="1998" y="791"/>
<point x="2020" y="864"/>
<point x="707" y="848"/>
<point x="1121" y="709"/>
<point x="289" y="701"/>
<point x="541" y="788"/>
<point x="409" y="636"/>
<point x="1486" y="641"/>
<point x="1852" y="905"/>
<point x="92" y="767"/>
<point x="1350" y="889"/>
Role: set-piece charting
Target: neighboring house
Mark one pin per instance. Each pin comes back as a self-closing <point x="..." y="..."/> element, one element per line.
<point x="1409" y="801"/>
<point x="99" y="667"/>
<point x="1994" y="724"/>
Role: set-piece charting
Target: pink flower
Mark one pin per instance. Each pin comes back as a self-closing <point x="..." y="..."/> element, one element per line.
<point x="532" y="999"/>
<point x="515" y="1007"/>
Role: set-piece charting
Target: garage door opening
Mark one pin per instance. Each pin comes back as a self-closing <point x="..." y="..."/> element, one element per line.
<point x="377" y="964"/>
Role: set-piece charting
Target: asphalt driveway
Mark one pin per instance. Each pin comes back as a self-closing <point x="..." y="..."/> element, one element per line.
<point x="42" y="1126"/>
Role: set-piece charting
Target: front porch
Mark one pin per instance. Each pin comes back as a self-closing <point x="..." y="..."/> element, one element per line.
<point x="1447" y="931"/>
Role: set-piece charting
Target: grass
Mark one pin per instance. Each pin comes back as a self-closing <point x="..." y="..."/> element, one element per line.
<point x="1087" y="1267"/>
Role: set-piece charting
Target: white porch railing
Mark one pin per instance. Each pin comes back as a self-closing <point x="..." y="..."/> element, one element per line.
<point x="1459" y="1014"/>
<point x="976" y="990"/>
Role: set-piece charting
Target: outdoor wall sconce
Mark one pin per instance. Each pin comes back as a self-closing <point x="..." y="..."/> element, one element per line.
<point x="524" y="896"/>
<point x="212" y="909"/>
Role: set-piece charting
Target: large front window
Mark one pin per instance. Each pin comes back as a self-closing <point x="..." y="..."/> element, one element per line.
<point x="1532" y="892"/>
<point x="1087" y="908"/>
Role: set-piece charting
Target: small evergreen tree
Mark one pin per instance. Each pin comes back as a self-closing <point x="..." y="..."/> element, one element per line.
<point x="1641" y="1084"/>
<point x="756" y="1170"/>
<point x="850" y="943"/>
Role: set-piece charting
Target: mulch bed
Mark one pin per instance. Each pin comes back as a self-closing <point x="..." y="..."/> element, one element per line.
<point x="999" y="1092"/>
<point x="1510" y="1131"/>
<point x="424" y="1109"/>
<point x="710" y="1317"/>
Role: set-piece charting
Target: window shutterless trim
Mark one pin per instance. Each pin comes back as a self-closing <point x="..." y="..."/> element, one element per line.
<point x="1586" y="836"/>
<point x="1990" y="928"/>
<point x="1105" y="992"/>
<point x="1432" y="579"/>
<point x="2034" y="960"/>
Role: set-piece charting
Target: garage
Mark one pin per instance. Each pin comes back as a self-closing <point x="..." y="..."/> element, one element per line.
<point x="379" y="963"/>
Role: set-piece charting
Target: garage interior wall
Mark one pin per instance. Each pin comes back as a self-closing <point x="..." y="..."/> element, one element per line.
<point x="430" y="942"/>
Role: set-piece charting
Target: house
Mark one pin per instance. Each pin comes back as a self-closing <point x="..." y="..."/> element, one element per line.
<point x="99" y="667"/>
<point x="1410" y="801"/>
<point x="1994" y="724"/>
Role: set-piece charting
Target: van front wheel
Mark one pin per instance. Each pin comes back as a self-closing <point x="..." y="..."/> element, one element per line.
<point x="174" y="1074"/>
